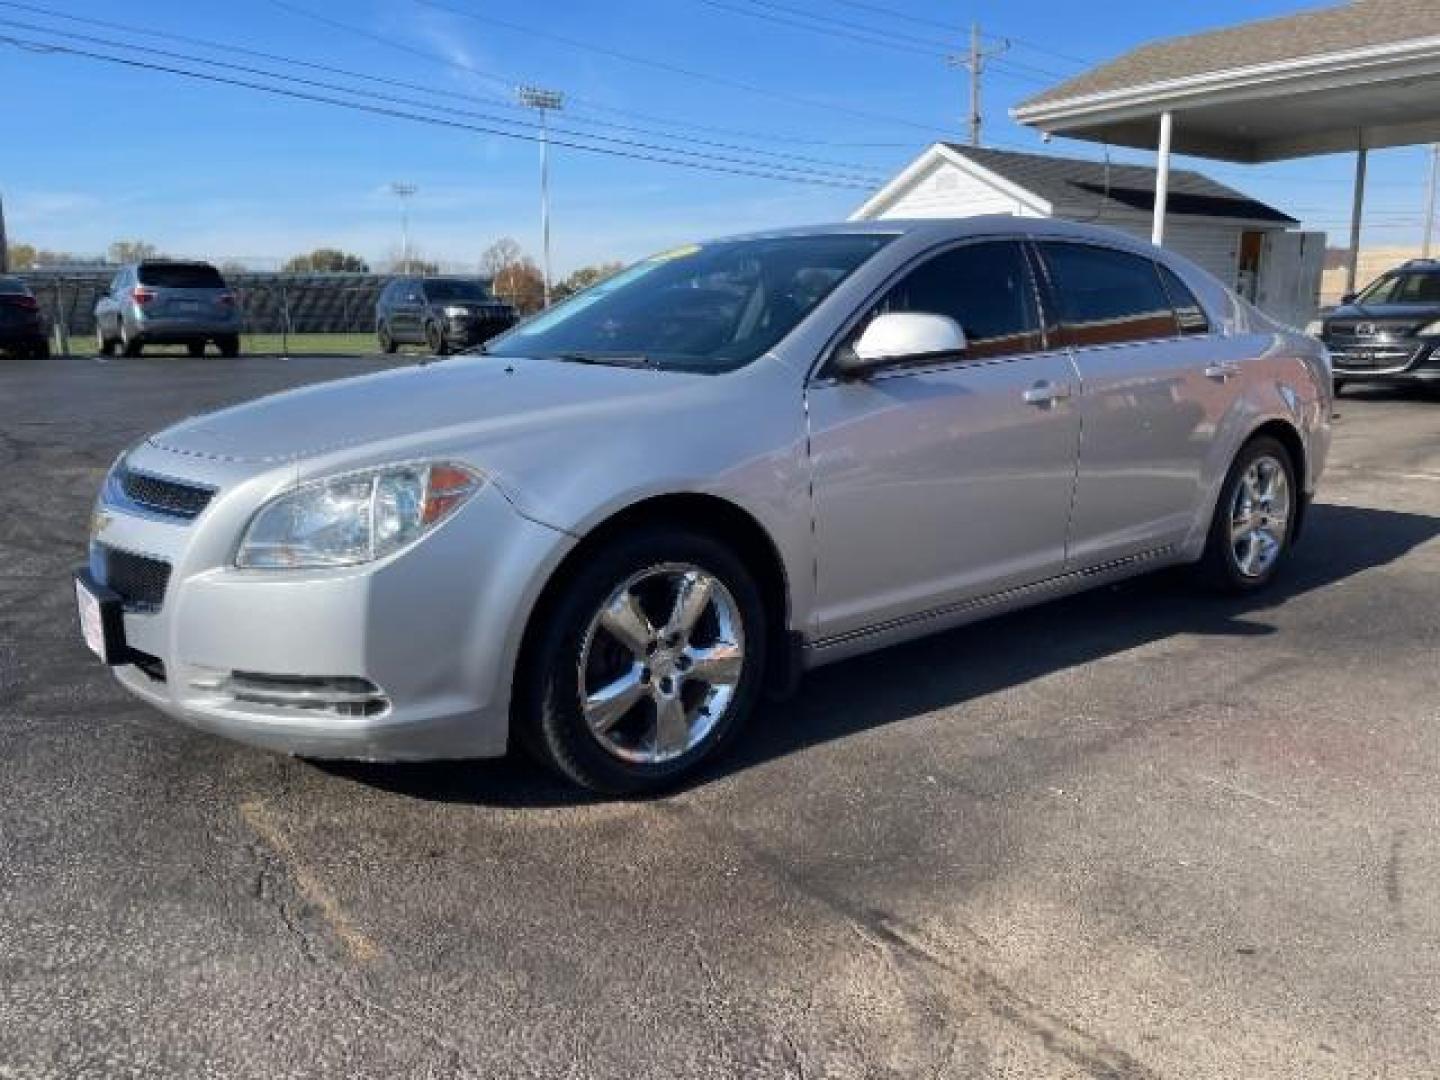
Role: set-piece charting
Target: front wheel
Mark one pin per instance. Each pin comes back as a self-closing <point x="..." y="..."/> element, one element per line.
<point x="228" y="344"/>
<point x="386" y="339"/>
<point x="1254" y="520"/>
<point x="195" y="348"/>
<point x="435" y="339"/>
<point x="650" y="659"/>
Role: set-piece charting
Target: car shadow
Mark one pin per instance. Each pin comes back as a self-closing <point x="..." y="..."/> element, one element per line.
<point x="959" y="665"/>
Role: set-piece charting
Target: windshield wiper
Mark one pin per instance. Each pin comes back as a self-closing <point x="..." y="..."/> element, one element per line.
<point x="606" y="359"/>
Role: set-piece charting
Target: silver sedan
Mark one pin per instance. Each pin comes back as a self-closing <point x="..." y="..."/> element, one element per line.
<point x="734" y="461"/>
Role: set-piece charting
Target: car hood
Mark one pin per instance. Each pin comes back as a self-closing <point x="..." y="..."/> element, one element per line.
<point x="448" y="401"/>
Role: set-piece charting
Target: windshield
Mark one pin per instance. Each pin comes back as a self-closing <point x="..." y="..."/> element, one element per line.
<point x="706" y="307"/>
<point x="445" y="289"/>
<point x="1404" y="288"/>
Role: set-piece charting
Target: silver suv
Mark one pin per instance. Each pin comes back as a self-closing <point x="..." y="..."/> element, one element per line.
<point x="166" y="302"/>
<point x="730" y="463"/>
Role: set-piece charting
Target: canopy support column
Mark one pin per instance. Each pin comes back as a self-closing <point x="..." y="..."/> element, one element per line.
<point x="1162" y="177"/>
<point x="1357" y="210"/>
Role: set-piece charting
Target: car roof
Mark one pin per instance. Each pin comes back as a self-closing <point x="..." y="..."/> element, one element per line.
<point x="959" y="228"/>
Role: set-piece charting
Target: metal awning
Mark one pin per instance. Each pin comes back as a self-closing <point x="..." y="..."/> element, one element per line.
<point x="1360" y="76"/>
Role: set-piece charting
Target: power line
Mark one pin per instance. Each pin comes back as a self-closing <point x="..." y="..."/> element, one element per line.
<point x="346" y="73"/>
<point x="954" y="28"/>
<point x="828" y="24"/>
<point x="674" y="69"/>
<point x="31" y="45"/>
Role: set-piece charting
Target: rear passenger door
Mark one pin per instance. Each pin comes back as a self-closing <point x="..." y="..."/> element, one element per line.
<point x="1150" y="400"/>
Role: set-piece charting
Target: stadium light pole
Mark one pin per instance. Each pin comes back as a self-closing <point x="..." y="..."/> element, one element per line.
<point x="543" y="102"/>
<point x="403" y="192"/>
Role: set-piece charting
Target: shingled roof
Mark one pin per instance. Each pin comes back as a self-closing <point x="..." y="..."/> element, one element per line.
<point x="1064" y="181"/>
<point x="1349" y="27"/>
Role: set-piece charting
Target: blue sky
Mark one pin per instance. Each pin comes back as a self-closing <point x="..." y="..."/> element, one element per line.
<point x="97" y="152"/>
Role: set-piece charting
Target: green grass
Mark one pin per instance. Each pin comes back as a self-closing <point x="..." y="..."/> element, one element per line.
<point x="308" y="344"/>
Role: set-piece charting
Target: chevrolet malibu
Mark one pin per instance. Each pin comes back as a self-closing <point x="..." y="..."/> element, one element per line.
<point x="603" y="538"/>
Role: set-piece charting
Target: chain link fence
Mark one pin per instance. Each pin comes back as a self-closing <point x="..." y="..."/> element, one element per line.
<point x="281" y="314"/>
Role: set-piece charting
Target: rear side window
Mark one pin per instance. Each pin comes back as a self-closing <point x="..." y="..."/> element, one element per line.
<point x="181" y="276"/>
<point x="1188" y="312"/>
<point x="1108" y="297"/>
<point x="985" y="287"/>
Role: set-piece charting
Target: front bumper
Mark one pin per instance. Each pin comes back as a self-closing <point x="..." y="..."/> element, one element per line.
<point x="434" y="631"/>
<point x="1399" y="360"/>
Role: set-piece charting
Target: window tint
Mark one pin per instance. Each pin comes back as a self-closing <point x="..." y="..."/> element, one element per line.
<point x="1107" y="296"/>
<point x="986" y="288"/>
<point x="1188" y="312"/>
<point x="452" y="289"/>
<point x="181" y="276"/>
<point x="12" y="286"/>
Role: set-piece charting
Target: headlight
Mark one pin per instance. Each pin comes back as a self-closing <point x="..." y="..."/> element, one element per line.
<point x="455" y="312"/>
<point x="1315" y="328"/>
<point x="1433" y="330"/>
<point x="354" y="518"/>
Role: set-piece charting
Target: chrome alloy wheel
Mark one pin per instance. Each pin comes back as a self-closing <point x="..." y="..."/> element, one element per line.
<point x="1260" y="516"/>
<point x="660" y="663"/>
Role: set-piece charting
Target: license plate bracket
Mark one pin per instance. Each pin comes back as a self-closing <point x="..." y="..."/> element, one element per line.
<point x="102" y="619"/>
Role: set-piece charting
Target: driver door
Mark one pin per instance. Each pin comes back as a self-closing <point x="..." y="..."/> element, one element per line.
<point x="939" y="483"/>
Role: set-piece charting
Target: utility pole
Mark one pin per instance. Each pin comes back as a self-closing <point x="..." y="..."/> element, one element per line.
<point x="1429" y="200"/>
<point x="974" y="62"/>
<point x="404" y="192"/>
<point x="543" y="101"/>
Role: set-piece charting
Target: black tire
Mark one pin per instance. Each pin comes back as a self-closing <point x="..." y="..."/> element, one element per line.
<point x="435" y="339"/>
<point x="1220" y="566"/>
<point x="41" y="351"/>
<point x="229" y="345"/>
<point x="548" y="718"/>
<point x="104" y="344"/>
<point x="388" y="345"/>
<point x="195" y="348"/>
<point x="1339" y="386"/>
<point x="130" y="346"/>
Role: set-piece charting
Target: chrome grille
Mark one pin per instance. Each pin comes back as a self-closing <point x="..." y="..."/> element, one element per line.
<point x="160" y="495"/>
<point x="1371" y="354"/>
<point x="139" y="580"/>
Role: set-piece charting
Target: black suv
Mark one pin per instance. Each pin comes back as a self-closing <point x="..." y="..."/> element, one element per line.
<point x="22" y="327"/>
<point x="1390" y="332"/>
<point x="440" y="313"/>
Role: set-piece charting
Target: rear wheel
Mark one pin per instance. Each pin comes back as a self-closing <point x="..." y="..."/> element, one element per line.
<point x="195" y="348"/>
<point x="648" y="662"/>
<point x="386" y="339"/>
<point x="435" y="339"/>
<point x="103" y="345"/>
<point x="1254" y="520"/>
<point x="130" y="345"/>
<point x="228" y="344"/>
<point x="41" y="351"/>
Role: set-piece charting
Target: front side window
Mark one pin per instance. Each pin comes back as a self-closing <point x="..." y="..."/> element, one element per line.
<point x="985" y="287"/>
<point x="706" y="307"/>
<point x="1108" y="297"/>
<point x="1403" y="288"/>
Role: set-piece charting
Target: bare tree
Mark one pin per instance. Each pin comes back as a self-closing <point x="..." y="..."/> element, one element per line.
<point x="129" y="251"/>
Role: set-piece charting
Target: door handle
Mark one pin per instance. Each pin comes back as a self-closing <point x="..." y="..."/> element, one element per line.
<point x="1046" y="393"/>
<point x="1223" y="371"/>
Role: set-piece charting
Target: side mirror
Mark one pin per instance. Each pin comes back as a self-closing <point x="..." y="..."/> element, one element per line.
<point x="899" y="337"/>
<point x="1348" y="298"/>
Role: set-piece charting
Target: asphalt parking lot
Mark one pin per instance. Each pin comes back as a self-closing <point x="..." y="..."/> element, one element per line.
<point x="1140" y="833"/>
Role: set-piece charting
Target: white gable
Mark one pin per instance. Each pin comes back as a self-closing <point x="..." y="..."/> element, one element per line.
<point x="941" y="184"/>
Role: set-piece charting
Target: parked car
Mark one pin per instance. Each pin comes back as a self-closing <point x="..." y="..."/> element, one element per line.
<point x="442" y="314"/>
<point x="1390" y="332"/>
<point x="22" y="328"/>
<point x="732" y="462"/>
<point x="167" y="302"/>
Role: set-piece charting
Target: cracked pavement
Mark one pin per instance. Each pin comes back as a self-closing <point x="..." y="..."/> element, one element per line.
<point x="1139" y="833"/>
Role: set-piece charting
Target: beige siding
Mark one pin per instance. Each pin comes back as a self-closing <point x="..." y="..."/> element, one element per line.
<point x="948" y="192"/>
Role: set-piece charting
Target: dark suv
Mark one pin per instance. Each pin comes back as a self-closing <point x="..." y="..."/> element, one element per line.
<point x="440" y="313"/>
<point x="1390" y="332"/>
<point x="22" y="327"/>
